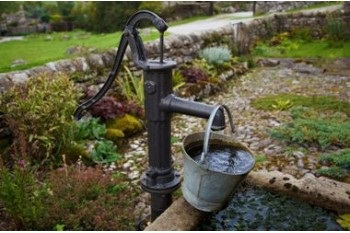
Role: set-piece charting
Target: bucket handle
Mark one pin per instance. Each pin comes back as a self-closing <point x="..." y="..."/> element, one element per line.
<point x="208" y="129"/>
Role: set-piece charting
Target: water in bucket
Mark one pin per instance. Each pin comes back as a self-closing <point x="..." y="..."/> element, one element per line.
<point x="214" y="165"/>
<point x="223" y="159"/>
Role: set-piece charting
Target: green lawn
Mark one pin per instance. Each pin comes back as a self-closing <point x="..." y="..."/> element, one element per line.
<point x="38" y="49"/>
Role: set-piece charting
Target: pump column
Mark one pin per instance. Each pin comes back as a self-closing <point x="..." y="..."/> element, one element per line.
<point x="160" y="179"/>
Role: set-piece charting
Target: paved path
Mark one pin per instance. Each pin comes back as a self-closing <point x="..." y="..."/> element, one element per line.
<point x="233" y="18"/>
<point x="212" y="23"/>
<point x="10" y="38"/>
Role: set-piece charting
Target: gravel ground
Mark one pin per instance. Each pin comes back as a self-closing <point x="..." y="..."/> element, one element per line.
<point x="252" y="125"/>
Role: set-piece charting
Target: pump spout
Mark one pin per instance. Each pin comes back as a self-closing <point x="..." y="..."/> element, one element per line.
<point x="174" y="104"/>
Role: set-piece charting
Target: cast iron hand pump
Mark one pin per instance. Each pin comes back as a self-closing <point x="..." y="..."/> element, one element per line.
<point x="160" y="179"/>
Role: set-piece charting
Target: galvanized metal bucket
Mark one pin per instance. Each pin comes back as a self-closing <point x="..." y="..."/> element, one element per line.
<point x="205" y="189"/>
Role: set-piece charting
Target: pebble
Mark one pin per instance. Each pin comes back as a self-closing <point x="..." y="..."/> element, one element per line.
<point x="298" y="154"/>
<point x="300" y="163"/>
<point x="126" y="166"/>
<point x="134" y="175"/>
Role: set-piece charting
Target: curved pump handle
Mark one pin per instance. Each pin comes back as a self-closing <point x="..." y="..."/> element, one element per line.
<point x="131" y="37"/>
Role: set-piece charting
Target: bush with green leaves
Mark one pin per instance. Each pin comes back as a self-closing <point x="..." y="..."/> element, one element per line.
<point x="340" y="158"/>
<point x="216" y="56"/>
<point x="105" y="152"/>
<point x="87" y="198"/>
<point x="40" y="116"/>
<point x="69" y="198"/>
<point x="319" y="103"/>
<point x="132" y="87"/>
<point x="309" y="126"/>
<point x="333" y="172"/>
<point x="90" y="129"/>
<point x="109" y="107"/>
<point x="337" y="30"/>
<point x="22" y="196"/>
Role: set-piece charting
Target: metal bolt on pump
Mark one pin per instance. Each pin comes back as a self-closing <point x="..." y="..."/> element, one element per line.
<point x="160" y="179"/>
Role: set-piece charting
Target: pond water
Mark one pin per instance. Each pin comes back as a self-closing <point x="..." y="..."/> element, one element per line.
<point x="256" y="209"/>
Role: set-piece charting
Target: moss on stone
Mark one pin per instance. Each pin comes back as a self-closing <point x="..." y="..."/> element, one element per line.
<point x="128" y="124"/>
<point x="114" y="135"/>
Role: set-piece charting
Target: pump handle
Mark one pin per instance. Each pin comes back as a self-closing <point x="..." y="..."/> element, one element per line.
<point x="131" y="37"/>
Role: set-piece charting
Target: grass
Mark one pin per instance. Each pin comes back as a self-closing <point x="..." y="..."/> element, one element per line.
<point x="321" y="103"/>
<point x="37" y="49"/>
<point x="297" y="49"/>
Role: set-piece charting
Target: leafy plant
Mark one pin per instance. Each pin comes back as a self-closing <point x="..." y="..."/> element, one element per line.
<point x="333" y="172"/>
<point x="281" y="105"/>
<point x="322" y="130"/>
<point x="194" y="75"/>
<point x="109" y="107"/>
<point x="90" y="129"/>
<point x="340" y="158"/>
<point x="87" y="198"/>
<point x="40" y="116"/>
<point x="344" y="221"/>
<point x="132" y="87"/>
<point x="177" y="79"/>
<point x="22" y="196"/>
<point x="337" y="30"/>
<point x="260" y="158"/>
<point x="319" y="103"/>
<point x="216" y="56"/>
<point x="104" y="152"/>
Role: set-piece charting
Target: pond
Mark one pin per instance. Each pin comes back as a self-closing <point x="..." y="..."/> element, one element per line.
<point x="256" y="209"/>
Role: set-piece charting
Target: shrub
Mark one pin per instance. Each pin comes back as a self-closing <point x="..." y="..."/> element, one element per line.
<point x="86" y="198"/>
<point x="340" y="158"/>
<point x="194" y="75"/>
<point x="132" y="87"/>
<point x="320" y="103"/>
<point x="216" y="56"/>
<point x="21" y="196"/>
<point x="40" y="116"/>
<point x="314" y="128"/>
<point x="128" y="124"/>
<point x="109" y="107"/>
<point x="104" y="152"/>
<point x="333" y="172"/>
<point x="177" y="79"/>
<point x="90" y="129"/>
<point x="337" y="30"/>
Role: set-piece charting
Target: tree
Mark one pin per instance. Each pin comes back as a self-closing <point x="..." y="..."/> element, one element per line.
<point x="8" y="7"/>
<point x="65" y="8"/>
<point x="111" y="16"/>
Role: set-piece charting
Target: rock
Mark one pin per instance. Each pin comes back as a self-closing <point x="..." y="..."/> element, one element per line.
<point x="19" y="78"/>
<point x="300" y="163"/>
<point x="18" y="62"/>
<point x="268" y="62"/>
<point x="329" y="194"/>
<point x="5" y="84"/>
<point x="298" y="154"/>
<point x="134" y="175"/>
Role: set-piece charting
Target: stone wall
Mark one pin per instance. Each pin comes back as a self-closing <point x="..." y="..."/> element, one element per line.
<point x="184" y="48"/>
<point x="263" y="7"/>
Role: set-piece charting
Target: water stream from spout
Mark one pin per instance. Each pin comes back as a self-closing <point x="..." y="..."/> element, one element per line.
<point x="222" y="158"/>
<point x="208" y="130"/>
